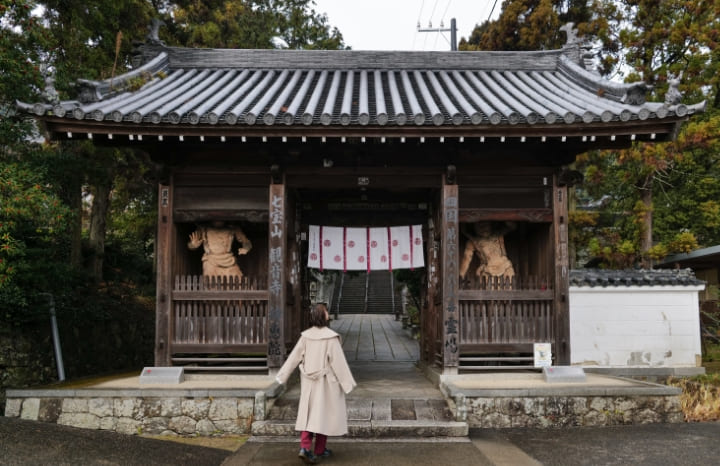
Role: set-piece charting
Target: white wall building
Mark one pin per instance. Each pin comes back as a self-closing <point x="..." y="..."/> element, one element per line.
<point x="635" y="322"/>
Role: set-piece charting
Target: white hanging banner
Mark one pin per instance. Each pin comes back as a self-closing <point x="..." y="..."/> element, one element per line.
<point x="377" y="248"/>
<point x="406" y="247"/>
<point x="356" y="249"/>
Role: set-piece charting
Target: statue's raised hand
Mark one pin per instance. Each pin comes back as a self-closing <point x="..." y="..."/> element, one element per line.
<point x="195" y="240"/>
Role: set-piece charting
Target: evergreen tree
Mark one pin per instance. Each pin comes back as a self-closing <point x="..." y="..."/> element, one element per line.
<point x="44" y="187"/>
<point x="638" y="40"/>
<point x="260" y="24"/>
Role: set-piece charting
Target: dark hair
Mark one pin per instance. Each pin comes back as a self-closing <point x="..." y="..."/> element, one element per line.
<point x="317" y="315"/>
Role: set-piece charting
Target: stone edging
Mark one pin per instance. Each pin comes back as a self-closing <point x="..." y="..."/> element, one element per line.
<point x="152" y="411"/>
<point x="639" y="388"/>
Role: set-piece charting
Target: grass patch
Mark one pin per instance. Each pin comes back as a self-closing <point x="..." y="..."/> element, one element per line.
<point x="712" y="367"/>
<point x="85" y="382"/>
<point x="225" y="442"/>
<point x="711" y="358"/>
<point x="700" y="397"/>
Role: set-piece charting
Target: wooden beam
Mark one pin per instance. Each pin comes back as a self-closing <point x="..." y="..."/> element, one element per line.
<point x="506" y="215"/>
<point x="491" y="348"/>
<point x="210" y="348"/>
<point x="642" y="129"/>
<point x="450" y="277"/>
<point x="505" y="295"/>
<point x="277" y="264"/>
<point x="166" y="244"/>
<point x="221" y="295"/>
<point x="230" y="215"/>
<point x="330" y="179"/>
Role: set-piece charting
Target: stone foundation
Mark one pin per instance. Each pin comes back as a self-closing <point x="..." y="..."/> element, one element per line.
<point x="609" y="401"/>
<point x="487" y="401"/>
<point x="169" y="413"/>
<point x="571" y="411"/>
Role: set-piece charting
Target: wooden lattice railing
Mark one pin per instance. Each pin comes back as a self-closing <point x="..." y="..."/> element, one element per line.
<point x="500" y="319"/>
<point x="219" y="316"/>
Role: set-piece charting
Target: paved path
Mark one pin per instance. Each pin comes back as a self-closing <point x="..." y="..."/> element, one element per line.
<point x="35" y="443"/>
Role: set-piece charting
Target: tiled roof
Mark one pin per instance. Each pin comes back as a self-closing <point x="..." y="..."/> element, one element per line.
<point x="706" y="257"/>
<point x="252" y="88"/>
<point x="624" y="278"/>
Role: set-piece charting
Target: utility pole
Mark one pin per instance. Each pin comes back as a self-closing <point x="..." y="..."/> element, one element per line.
<point x="452" y="30"/>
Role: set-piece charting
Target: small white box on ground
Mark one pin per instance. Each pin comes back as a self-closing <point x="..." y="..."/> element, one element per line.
<point x="564" y="374"/>
<point x="173" y="375"/>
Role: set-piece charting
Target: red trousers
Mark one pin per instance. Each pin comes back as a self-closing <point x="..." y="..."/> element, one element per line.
<point x="306" y="439"/>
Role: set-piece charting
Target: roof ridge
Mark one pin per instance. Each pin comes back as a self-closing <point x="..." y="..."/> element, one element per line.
<point x="93" y="91"/>
<point x="633" y="277"/>
<point x="357" y="59"/>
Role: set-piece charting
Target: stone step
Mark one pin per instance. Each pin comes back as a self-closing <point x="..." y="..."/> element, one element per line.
<point x="371" y="429"/>
<point x="379" y="298"/>
<point x="372" y="418"/>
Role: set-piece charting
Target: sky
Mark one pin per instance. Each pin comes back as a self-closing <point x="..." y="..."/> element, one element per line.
<point x="393" y="24"/>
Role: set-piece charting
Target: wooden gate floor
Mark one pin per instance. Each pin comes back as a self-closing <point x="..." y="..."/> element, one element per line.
<point x="375" y="337"/>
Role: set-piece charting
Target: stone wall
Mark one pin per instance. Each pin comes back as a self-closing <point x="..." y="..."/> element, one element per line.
<point x="552" y="411"/>
<point x="100" y="346"/>
<point x="179" y="413"/>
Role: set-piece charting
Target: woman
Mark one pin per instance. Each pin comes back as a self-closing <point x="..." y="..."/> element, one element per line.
<point x="325" y="378"/>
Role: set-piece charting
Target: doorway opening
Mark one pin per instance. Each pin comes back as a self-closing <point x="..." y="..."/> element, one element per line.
<point x="377" y="313"/>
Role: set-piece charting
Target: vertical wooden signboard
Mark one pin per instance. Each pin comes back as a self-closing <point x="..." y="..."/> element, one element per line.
<point x="163" y="294"/>
<point x="562" y="275"/>
<point x="450" y="229"/>
<point x="276" y="279"/>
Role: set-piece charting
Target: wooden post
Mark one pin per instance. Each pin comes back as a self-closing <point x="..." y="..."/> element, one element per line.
<point x="429" y="346"/>
<point x="277" y="246"/>
<point x="562" y="275"/>
<point x="450" y="257"/>
<point x="295" y="302"/>
<point x="165" y="246"/>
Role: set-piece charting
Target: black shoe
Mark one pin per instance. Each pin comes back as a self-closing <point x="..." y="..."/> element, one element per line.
<point x="325" y="454"/>
<point x="307" y="456"/>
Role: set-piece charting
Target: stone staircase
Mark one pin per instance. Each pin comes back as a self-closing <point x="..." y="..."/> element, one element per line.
<point x="373" y="418"/>
<point x="352" y="295"/>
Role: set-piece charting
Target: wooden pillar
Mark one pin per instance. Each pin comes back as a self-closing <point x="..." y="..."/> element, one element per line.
<point x="562" y="275"/>
<point x="294" y="301"/>
<point x="277" y="264"/>
<point x="165" y="246"/>
<point x="449" y="258"/>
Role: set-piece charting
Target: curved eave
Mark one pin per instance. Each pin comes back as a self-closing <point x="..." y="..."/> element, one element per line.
<point x="589" y="135"/>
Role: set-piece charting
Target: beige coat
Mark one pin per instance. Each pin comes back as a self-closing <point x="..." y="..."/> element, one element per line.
<point x="325" y="378"/>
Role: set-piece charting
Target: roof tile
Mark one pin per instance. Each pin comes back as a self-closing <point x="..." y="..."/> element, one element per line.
<point x="640" y="277"/>
<point x="270" y="87"/>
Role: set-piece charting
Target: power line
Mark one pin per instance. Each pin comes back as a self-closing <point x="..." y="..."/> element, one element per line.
<point x="492" y="10"/>
<point x="433" y="10"/>
<point x="442" y="18"/>
<point x="422" y="5"/>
